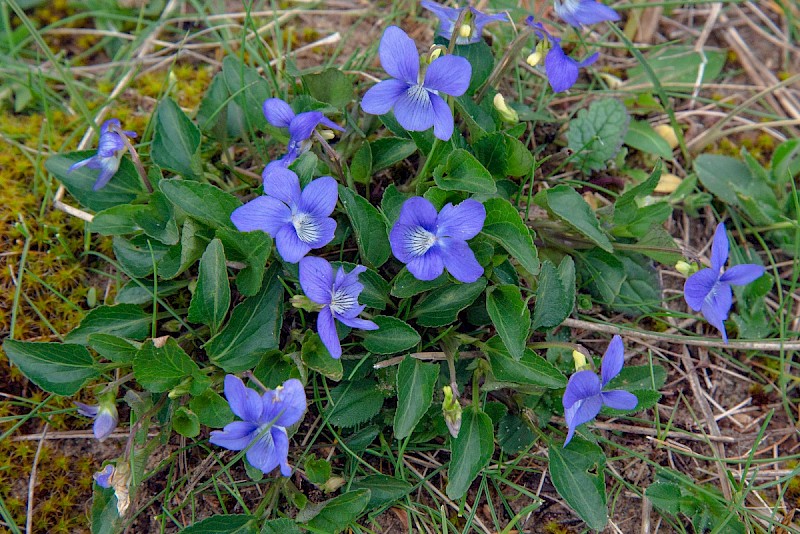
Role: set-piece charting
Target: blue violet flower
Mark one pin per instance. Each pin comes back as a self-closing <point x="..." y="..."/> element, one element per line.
<point x="709" y="290"/>
<point x="338" y="296"/>
<point x="560" y="69"/>
<point x="264" y="418"/>
<point x="301" y="126"/>
<point x="105" y="416"/>
<point x="427" y="241"/>
<point x="298" y="220"/>
<point x="472" y="24"/>
<point x="584" y="396"/>
<point x="579" y="12"/>
<point x="416" y="101"/>
<point x="109" y="153"/>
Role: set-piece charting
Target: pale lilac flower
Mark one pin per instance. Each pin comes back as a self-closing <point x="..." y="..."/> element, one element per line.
<point x="416" y="102"/>
<point x="709" y="290"/>
<point x="298" y="220"/>
<point x="109" y="153"/>
<point x="579" y="12"/>
<point x="338" y="296"/>
<point x="262" y="430"/>
<point x="301" y="126"/>
<point x="584" y="396"/>
<point x="472" y="24"/>
<point x="561" y="70"/>
<point x="427" y="241"/>
<point x="103" y="477"/>
<point x="105" y="417"/>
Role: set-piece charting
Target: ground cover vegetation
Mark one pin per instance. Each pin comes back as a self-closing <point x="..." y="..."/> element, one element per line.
<point x="402" y="266"/>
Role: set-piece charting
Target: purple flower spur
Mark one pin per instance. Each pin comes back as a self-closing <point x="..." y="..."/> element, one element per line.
<point x="584" y="396"/>
<point x="709" y="290"/>
<point x="264" y="418"/>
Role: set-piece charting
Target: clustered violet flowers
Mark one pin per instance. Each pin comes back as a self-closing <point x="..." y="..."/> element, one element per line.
<point x="584" y="396"/>
<point x="338" y="297"/>
<point x="416" y="101"/>
<point x="471" y="25"/>
<point x="264" y="418"/>
<point x="709" y="290"/>
<point x="298" y="220"/>
<point x="561" y="70"/>
<point x="110" y="149"/>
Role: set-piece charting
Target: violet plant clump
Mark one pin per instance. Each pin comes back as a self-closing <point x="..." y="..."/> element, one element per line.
<point x="429" y="250"/>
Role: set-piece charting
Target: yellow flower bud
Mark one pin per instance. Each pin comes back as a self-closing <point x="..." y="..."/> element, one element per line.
<point x="435" y="52"/>
<point x="667" y="183"/>
<point x="668" y="134"/>
<point x="506" y="113"/>
<point x="580" y="360"/>
<point x="465" y="31"/>
<point x="326" y="134"/>
<point x="538" y="54"/>
<point x="683" y="267"/>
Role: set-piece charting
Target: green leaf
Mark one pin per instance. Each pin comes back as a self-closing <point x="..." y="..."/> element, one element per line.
<point x="117" y="220"/>
<point x="252" y="249"/>
<point x="510" y="316"/>
<point x="318" y="471"/>
<point x="406" y="284"/>
<point x="218" y="116"/>
<point x="280" y="526"/>
<point x="634" y="377"/>
<point x="104" y="511"/>
<point x="630" y="220"/>
<point x="578" y="474"/>
<point x="208" y="204"/>
<point x="180" y="257"/>
<point x="471" y="451"/>
<point x="643" y="137"/>
<point x="317" y="357"/>
<point x="161" y="369"/>
<point x="58" y="368"/>
<point x="441" y="306"/>
<point x="369" y="228"/>
<point x="135" y="255"/>
<point x="253" y="328"/>
<point x="785" y="163"/>
<point x="391" y="202"/>
<point x="624" y="282"/>
<point x="125" y="187"/>
<point x="142" y="292"/>
<point x="224" y="524"/>
<point x="595" y="135"/>
<point x="212" y="297"/>
<point x="463" y="172"/>
<point x="387" y="151"/>
<point x="731" y="181"/>
<point x="249" y="90"/>
<point x="665" y="496"/>
<point x="211" y="409"/>
<point x="176" y="142"/>
<point x="566" y="204"/>
<point x="531" y="369"/>
<point x="504" y="225"/>
<point x="157" y="221"/>
<point x="392" y="336"/>
<point x="353" y="403"/>
<point x="361" y="166"/>
<point x="123" y="320"/>
<point x="553" y="302"/>
<point x="415" y="383"/>
<point x="114" y="348"/>
<point x="678" y="66"/>
<point x="481" y="60"/>
<point x="335" y="514"/>
<point x="513" y="434"/>
<point x="330" y="86"/>
<point x="185" y="422"/>
<point x="383" y="489"/>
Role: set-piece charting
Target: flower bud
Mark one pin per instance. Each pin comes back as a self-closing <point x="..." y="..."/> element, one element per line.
<point x="686" y="269"/>
<point x="103" y="477"/>
<point x="465" y="31"/>
<point x="326" y="134"/>
<point x="537" y="54"/>
<point x="580" y="360"/>
<point x="304" y="303"/>
<point x="667" y="183"/>
<point x="506" y="113"/>
<point x="668" y="134"/>
<point x="451" y="409"/>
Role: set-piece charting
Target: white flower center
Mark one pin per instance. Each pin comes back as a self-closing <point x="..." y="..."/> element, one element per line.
<point x="419" y="95"/>
<point x="306" y="226"/>
<point x="341" y="301"/>
<point x="420" y="241"/>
